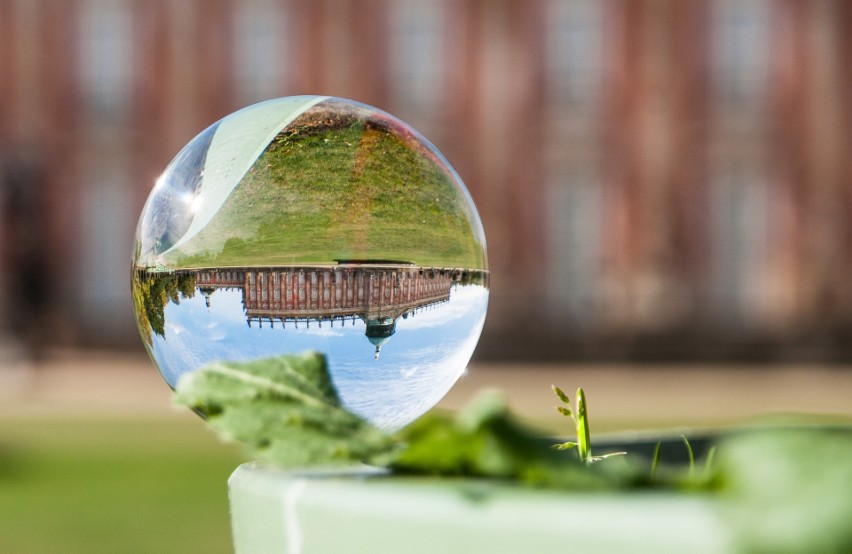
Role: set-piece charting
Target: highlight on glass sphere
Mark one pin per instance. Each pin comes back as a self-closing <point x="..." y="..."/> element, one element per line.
<point x="315" y="223"/>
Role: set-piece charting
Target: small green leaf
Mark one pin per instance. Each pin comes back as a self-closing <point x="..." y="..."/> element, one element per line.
<point x="605" y="456"/>
<point x="562" y="396"/>
<point x="565" y="445"/>
<point x="564" y="411"/>
<point x="285" y="409"/>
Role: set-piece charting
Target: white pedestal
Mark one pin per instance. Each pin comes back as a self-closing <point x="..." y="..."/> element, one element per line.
<point x="368" y="511"/>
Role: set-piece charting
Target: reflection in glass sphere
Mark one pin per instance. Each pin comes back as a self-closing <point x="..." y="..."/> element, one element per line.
<point x="315" y="223"/>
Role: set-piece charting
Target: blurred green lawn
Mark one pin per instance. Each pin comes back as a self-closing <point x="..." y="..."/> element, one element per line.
<point x="112" y="485"/>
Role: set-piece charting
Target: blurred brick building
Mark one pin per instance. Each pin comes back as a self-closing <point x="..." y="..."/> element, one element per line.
<point x="657" y="178"/>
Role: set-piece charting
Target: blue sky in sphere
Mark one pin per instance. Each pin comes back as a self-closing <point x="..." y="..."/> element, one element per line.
<point x="418" y="364"/>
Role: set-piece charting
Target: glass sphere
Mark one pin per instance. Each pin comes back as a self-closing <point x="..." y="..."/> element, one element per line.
<point x="315" y="223"/>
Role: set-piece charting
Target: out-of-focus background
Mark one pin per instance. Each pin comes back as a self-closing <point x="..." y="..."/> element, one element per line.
<point x="664" y="184"/>
<point x="656" y="178"/>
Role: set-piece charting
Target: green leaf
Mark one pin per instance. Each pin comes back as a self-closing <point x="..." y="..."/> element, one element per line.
<point x="605" y="456"/>
<point x="565" y="446"/>
<point x="486" y="441"/>
<point x="562" y="396"/>
<point x="786" y="489"/>
<point x="564" y="411"/>
<point x="285" y="409"/>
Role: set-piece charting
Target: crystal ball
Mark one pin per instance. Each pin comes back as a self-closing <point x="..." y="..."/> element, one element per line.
<point x="314" y="223"/>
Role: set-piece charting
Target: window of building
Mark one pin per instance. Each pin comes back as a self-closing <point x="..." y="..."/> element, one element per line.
<point x="106" y="56"/>
<point x="416" y="48"/>
<point x="740" y="240"/>
<point x="574" y="49"/>
<point x="260" y="50"/>
<point x="574" y="235"/>
<point x="574" y="59"/>
<point x="740" y="50"/>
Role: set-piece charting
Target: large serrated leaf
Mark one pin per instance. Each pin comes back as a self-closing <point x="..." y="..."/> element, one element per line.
<point x="285" y="409"/>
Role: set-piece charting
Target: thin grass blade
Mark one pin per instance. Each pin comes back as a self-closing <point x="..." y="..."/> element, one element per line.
<point x="691" y="457"/>
<point x="655" y="460"/>
<point x="708" y="463"/>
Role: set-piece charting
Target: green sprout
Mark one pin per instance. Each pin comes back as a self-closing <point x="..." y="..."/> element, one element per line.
<point x="706" y="472"/>
<point x="581" y="423"/>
